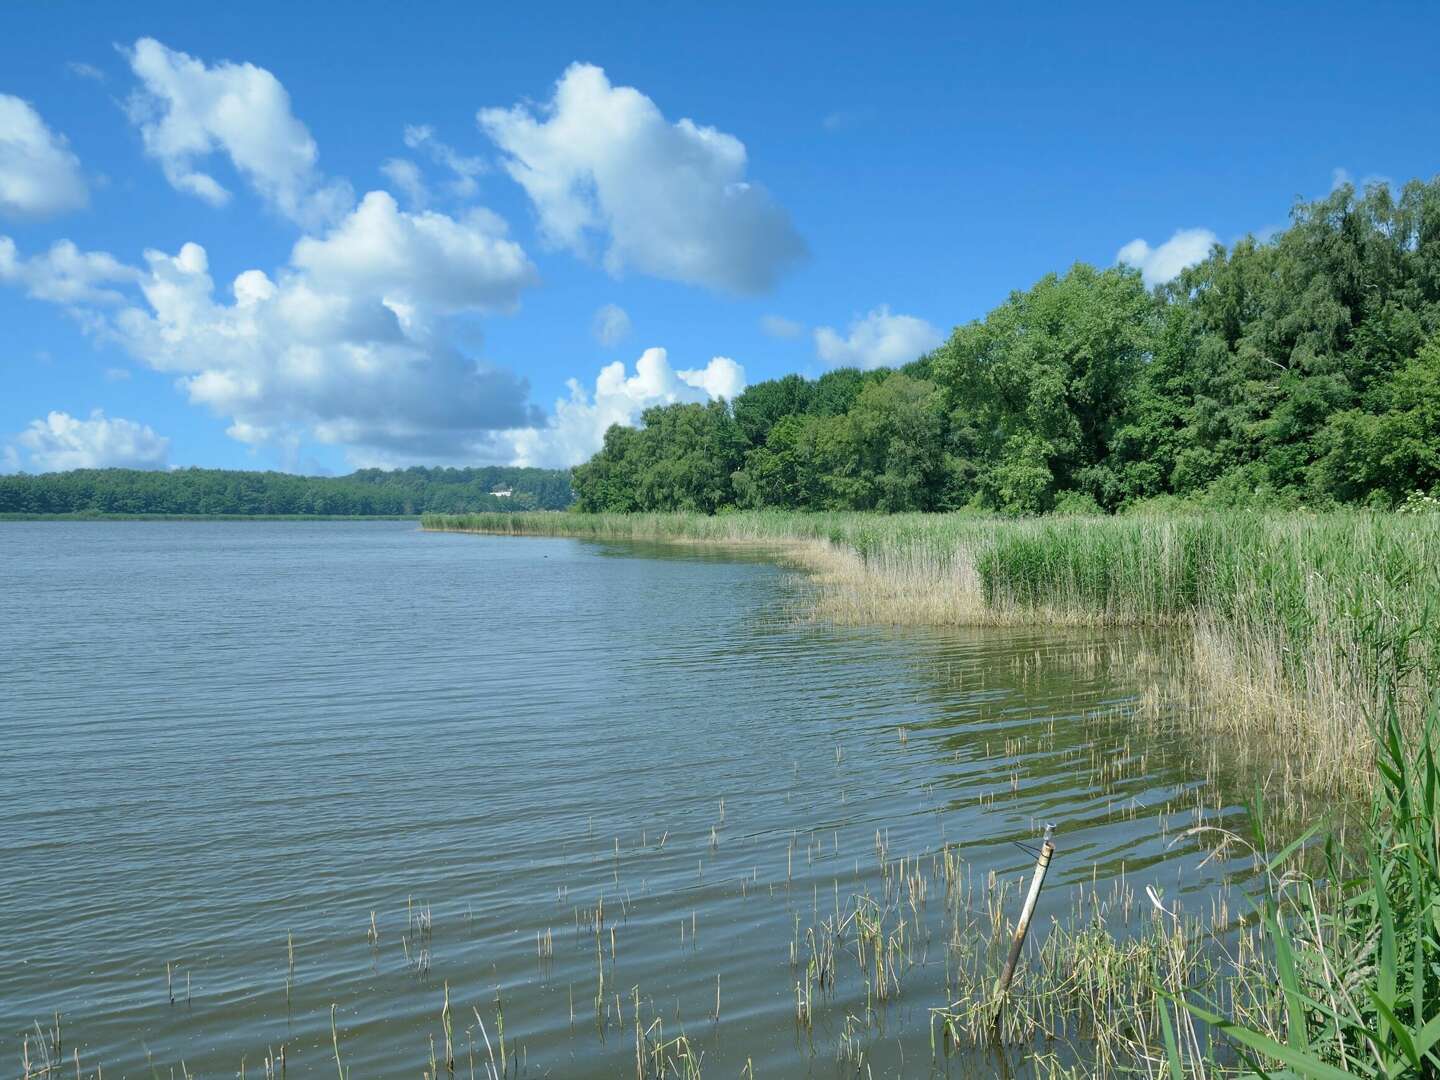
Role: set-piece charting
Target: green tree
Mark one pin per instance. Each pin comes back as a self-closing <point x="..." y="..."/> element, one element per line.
<point x="1395" y="452"/>
<point x="1047" y="380"/>
<point x="686" y="455"/>
<point x="609" y="481"/>
<point x="898" y="427"/>
<point x="765" y="404"/>
<point x="1291" y="369"/>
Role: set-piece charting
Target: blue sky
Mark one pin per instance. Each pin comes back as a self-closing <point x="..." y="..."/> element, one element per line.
<point x="759" y="189"/>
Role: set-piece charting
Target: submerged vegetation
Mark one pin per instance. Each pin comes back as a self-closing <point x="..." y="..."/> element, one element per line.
<point x="1302" y="370"/>
<point x="1327" y="965"/>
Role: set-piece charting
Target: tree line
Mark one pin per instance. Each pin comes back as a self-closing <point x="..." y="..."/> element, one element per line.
<point x="368" y="492"/>
<point x="1301" y="369"/>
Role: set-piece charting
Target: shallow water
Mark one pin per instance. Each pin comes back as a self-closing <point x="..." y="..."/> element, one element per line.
<point x="216" y="736"/>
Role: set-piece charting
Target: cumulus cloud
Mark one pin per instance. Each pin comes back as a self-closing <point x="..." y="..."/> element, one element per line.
<point x="61" y="441"/>
<point x="419" y="263"/>
<point x="880" y="339"/>
<point x="406" y="176"/>
<point x="65" y="274"/>
<point x="611" y="325"/>
<point x="1158" y="265"/>
<point x="39" y="175"/>
<point x="344" y="345"/>
<point x="778" y="326"/>
<point x="187" y="111"/>
<point x="720" y="378"/>
<point x="669" y="200"/>
<point x="577" y="428"/>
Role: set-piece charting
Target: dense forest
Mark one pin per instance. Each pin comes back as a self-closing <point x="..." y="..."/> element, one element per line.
<point x="1299" y="370"/>
<point x="220" y="491"/>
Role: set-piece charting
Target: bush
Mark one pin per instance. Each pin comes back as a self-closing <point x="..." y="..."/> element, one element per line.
<point x="1076" y="503"/>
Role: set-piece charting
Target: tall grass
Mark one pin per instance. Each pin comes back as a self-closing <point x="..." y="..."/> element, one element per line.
<point x="1354" y="952"/>
<point x="1292" y="625"/>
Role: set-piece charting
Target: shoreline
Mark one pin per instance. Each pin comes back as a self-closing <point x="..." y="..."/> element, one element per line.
<point x="1294" y="628"/>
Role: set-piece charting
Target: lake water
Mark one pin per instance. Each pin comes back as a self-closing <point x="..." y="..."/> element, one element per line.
<point x="224" y="740"/>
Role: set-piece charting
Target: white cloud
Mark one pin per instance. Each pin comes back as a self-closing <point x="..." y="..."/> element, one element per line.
<point x="82" y="70"/>
<point x="1161" y="264"/>
<point x="343" y="345"/>
<point x="39" y="175"/>
<point x="61" y="441"/>
<point x="577" y="429"/>
<point x="65" y="274"/>
<point x="1339" y="177"/>
<point x="187" y="111"/>
<point x="611" y="325"/>
<point x="406" y="176"/>
<point x="410" y="179"/>
<point x="720" y="378"/>
<point x="420" y="263"/>
<point x="463" y="169"/>
<point x="671" y="200"/>
<point x="880" y="339"/>
<point x="9" y="460"/>
<point x="777" y="326"/>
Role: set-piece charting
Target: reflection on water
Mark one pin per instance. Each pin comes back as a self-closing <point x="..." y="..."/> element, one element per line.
<point x="220" y="735"/>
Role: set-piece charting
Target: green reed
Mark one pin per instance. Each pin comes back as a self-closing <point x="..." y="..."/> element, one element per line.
<point x="1355" y="949"/>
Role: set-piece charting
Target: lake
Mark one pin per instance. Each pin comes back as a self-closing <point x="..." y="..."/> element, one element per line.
<point x="226" y="745"/>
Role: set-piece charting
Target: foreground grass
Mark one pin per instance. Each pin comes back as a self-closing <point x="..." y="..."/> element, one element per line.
<point x="1292" y="626"/>
<point x="1353" y="953"/>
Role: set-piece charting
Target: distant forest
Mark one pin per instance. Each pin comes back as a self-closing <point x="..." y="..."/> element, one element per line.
<point x="220" y="491"/>
<point x="1299" y="370"/>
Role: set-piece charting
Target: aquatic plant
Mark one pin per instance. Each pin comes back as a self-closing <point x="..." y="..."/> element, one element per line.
<point x="1355" y="949"/>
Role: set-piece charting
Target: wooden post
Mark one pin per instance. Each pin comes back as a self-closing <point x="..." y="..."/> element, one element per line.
<point x="1042" y="864"/>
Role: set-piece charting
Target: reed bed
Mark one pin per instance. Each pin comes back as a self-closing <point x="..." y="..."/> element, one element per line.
<point x="1088" y="985"/>
<point x="1291" y="626"/>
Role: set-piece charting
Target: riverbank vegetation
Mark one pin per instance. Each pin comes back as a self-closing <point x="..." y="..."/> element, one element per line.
<point x="1299" y="370"/>
<point x="224" y="492"/>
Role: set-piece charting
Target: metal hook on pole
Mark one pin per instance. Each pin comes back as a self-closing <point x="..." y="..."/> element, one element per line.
<point x="1042" y="864"/>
